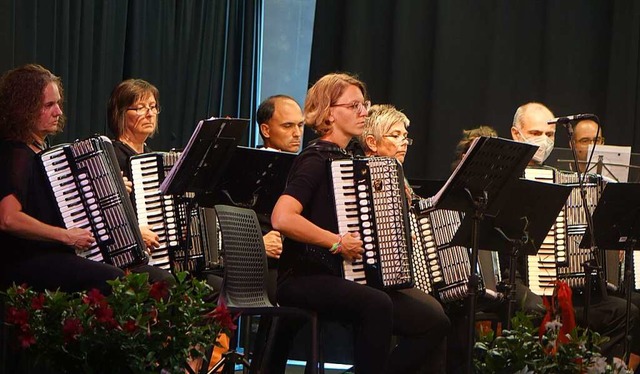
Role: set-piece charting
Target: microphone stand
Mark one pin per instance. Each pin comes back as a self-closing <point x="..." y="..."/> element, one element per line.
<point x="593" y="264"/>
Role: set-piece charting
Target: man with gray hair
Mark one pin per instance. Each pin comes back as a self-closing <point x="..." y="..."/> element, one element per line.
<point x="606" y="312"/>
<point x="530" y="126"/>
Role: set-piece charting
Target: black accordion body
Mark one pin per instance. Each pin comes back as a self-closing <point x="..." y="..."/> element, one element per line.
<point x="181" y="248"/>
<point x="560" y="256"/>
<point x="90" y="193"/>
<point x="369" y="199"/>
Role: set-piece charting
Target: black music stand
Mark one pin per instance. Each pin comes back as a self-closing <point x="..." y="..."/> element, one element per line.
<point x="203" y="161"/>
<point x="518" y="227"/>
<point x="486" y="172"/>
<point x="205" y="157"/>
<point x="255" y="181"/>
<point x="617" y="218"/>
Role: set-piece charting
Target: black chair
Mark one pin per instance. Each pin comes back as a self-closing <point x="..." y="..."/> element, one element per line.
<point x="244" y="288"/>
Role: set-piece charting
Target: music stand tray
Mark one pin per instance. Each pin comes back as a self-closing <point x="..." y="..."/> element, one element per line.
<point x="616" y="218"/>
<point x="521" y="215"/>
<point x="488" y="167"/>
<point x="205" y="157"/>
<point x="255" y="181"/>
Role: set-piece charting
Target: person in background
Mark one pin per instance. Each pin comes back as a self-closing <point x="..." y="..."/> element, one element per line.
<point x="386" y="134"/>
<point x="281" y="124"/>
<point x="310" y="268"/>
<point x="585" y="133"/>
<point x="132" y="116"/>
<point x="606" y="312"/>
<point x="467" y="138"/>
<point x="37" y="249"/>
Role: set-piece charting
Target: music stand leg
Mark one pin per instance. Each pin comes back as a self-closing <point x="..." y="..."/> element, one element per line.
<point x="628" y="273"/>
<point x="511" y="306"/>
<point x="473" y="284"/>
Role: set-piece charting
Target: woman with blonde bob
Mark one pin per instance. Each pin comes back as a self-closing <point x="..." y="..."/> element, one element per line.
<point x="310" y="277"/>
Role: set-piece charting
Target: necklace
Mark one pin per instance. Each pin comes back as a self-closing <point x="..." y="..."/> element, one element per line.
<point x="139" y="148"/>
<point x="41" y="146"/>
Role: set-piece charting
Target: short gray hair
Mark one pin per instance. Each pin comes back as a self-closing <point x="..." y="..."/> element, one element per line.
<point x="379" y="120"/>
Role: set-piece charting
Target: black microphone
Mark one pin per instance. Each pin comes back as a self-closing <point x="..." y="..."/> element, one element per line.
<point x="573" y="118"/>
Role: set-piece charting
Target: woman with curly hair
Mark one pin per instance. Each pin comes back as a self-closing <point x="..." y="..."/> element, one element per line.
<point x="37" y="249"/>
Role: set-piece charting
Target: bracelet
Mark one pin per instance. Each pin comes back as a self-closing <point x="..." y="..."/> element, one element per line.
<point x="336" y="247"/>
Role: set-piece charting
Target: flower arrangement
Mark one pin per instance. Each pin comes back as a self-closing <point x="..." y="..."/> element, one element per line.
<point x="557" y="346"/>
<point x="138" y="328"/>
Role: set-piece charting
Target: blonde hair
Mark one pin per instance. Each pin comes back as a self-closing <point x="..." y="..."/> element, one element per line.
<point x="467" y="138"/>
<point x="322" y="95"/>
<point x="379" y="120"/>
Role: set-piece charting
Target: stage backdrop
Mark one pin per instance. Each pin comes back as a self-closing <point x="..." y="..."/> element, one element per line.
<point x="456" y="64"/>
<point x="201" y="55"/>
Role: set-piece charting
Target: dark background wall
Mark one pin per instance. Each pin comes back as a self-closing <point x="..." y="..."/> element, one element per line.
<point x="449" y="64"/>
<point x="456" y="64"/>
<point x="199" y="53"/>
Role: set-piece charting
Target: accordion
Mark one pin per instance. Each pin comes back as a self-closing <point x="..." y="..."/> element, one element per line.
<point x="185" y="241"/>
<point x="560" y="256"/>
<point x="369" y="198"/>
<point x="441" y="268"/>
<point x="90" y="193"/>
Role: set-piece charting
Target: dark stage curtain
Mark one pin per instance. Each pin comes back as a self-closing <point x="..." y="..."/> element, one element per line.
<point x="456" y="64"/>
<point x="201" y="55"/>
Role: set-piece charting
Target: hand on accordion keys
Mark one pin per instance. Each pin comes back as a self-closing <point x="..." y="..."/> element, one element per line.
<point x="128" y="185"/>
<point x="351" y="246"/>
<point x="150" y="238"/>
<point x="79" y="239"/>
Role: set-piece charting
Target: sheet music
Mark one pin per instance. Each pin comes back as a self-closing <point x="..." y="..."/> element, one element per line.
<point x="438" y="195"/>
<point x="614" y="164"/>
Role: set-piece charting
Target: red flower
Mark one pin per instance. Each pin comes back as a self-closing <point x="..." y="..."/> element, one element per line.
<point x="37" y="302"/>
<point x="559" y="307"/>
<point x="71" y="329"/>
<point x="93" y="297"/>
<point x="130" y="326"/>
<point x="104" y="315"/>
<point x="221" y="315"/>
<point x="18" y="317"/>
<point x="22" y="289"/>
<point x="159" y="290"/>
<point x="26" y="339"/>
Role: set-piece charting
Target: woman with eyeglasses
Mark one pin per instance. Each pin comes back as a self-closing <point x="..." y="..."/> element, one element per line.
<point x="132" y="116"/>
<point x="309" y="274"/>
<point x="423" y="339"/>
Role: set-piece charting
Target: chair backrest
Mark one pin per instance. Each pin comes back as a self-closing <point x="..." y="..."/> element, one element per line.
<point x="245" y="260"/>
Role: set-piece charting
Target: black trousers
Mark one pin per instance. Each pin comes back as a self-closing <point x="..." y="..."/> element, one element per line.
<point x="607" y="317"/>
<point x="63" y="270"/>
<point x="416" y="318"/>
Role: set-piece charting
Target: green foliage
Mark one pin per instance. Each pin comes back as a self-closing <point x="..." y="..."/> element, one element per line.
<point x="138" y="328"/>
<point x="522" y="350"/>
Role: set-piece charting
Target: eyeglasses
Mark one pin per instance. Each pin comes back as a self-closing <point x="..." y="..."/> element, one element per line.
<point x="356" y="106"/>
<point x="399" y="138"/>
<point x="142" y="110"/>
<point x="586" y="141"/>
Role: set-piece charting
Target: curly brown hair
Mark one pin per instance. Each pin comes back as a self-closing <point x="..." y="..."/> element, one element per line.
<point x="21" y="100"/>
<point x="322" y="95"/>
<point x="125" y="94"/>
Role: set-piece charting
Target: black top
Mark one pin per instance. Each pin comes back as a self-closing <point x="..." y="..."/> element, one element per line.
<point x="22" y="174"/>
<point x="123" y="153"/>
<point x="309" y="182"/>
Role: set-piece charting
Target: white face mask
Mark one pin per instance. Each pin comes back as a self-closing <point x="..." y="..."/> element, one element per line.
<point x="545" y="146"/>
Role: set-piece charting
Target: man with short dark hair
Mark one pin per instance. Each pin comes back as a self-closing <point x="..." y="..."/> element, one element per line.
<point x="585" y="133"/>
<point x="281" y="123"/>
